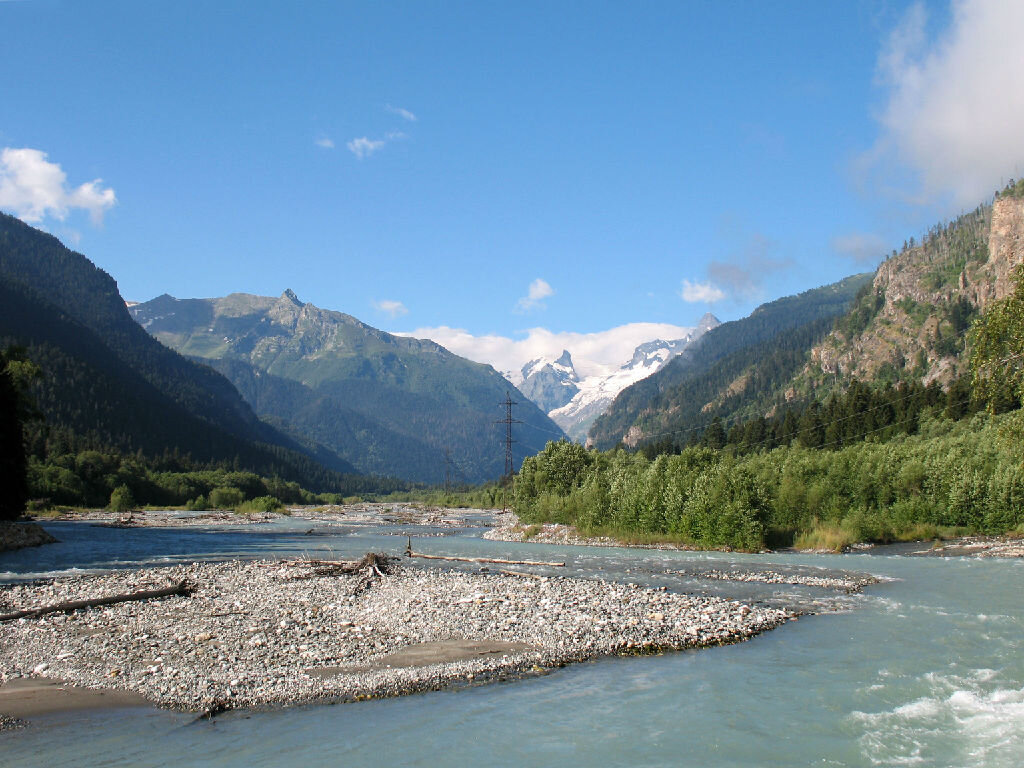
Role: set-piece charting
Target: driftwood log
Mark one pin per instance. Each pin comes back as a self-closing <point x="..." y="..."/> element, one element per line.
<point x="182" y="588"/>
<point x="410" y="553"/>
<point x="370" y="563"/>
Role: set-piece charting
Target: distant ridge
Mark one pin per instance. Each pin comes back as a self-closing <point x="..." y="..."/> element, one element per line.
<point x="388" y="404"/>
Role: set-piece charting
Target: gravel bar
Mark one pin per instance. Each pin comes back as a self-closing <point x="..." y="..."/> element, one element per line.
<point x="274" y="633"/>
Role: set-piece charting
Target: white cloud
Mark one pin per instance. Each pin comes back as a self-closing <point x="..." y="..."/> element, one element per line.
<point x="707" y="293"/>
<point x="743" y="275"/>
<point x="861" y="247"/>
<point x="326" y="142"/>
<point x="536" y="293"/>
<point x="364" y="147"/>
<point x="34" y="188"/>
<point x="597" y="353"/>
<point x="954" y="111"/>
<point x="405" y="114"/>
<point x="393" y="308"/>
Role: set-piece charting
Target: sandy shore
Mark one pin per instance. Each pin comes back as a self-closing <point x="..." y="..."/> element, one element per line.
<point x="268" y="633"/>
<point x="27" y="697"/>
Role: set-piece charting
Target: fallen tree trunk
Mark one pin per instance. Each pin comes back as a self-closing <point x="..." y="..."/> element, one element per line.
<point x="410" y="553"/>
<point x="382" y="565"/>
<point x="183" y="589"/>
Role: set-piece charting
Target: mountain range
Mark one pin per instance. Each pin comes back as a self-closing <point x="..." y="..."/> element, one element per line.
<point x="106" y="384"/>
<point x="574" y="402"/>
<point x="284" y="388"/>
<point x="388" y="404"/>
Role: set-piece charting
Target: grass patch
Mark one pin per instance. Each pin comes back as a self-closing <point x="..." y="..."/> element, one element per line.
<point x="830" y="538"/>
<point x="530" y="531"/>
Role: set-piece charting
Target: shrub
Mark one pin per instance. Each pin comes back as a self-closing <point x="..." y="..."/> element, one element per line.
<point x="122" y="499"/>
<point x="226" y="497"/>
<point x="197" y="504"/>
<point x="260" y="504"/>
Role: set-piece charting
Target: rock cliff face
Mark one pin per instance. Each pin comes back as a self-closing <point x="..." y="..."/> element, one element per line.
<point x="1006" y="250"/>
<point x="912" y="323"/>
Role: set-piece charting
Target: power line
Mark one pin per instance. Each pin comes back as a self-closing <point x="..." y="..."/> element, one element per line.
<point x="447" y="470"/>
<point x="508" y="421"/>
<point x="540" y="429"/>
<point x="510" y="467"/>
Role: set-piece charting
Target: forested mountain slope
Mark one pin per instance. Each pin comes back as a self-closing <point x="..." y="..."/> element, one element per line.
<point x="736" y="366"/>
<point x="106" y="383"/>
<point x="389" y="404"/>
<point x="911" y="323"/>
<point x="908" y="323"/>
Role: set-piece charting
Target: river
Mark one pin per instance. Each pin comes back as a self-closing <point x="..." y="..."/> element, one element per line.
<point x="925" y="668"/>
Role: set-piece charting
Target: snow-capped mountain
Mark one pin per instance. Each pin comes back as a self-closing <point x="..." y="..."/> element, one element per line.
<point x="550" y="383"/>
<point x="595" y="393"/>
<point x="574" y="376"/>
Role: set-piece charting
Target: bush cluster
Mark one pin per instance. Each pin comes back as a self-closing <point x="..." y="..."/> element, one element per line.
<point x="967" y="474"/>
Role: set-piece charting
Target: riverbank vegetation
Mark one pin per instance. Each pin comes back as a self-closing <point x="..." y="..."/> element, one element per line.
<point x="965" y="475"/>
<point x="872" y="464"/>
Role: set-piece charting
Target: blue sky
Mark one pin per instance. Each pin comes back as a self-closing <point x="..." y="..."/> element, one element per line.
<point x="497" y="167"/>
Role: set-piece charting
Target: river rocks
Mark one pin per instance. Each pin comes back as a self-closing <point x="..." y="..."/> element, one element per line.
<point x="510" y="528"/>
<point x="261" y="633"/>
<point x="843" y="582"/>
<point x="978" y="546"/>
<point x="18" y="535"/>
<point x="10" y="723"/>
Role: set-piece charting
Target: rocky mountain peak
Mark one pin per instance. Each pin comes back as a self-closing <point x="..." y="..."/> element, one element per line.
<point x="289" y="295"/>
<point x="707" y="322"/>
<point x="550" y="383"/>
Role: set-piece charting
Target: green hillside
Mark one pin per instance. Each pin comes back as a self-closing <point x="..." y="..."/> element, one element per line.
<point x="388" y="404"/>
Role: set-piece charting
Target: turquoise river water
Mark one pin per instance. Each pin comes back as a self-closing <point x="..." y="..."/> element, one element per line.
<point x="925" y="669"/>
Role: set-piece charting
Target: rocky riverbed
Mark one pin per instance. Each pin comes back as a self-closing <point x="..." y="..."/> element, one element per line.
<point x="378" y="513"/>
<point x="275" y="633"/>
<point x="159" y="518"/>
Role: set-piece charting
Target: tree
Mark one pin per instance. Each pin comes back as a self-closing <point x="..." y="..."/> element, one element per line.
<point x="122" y="499"/>
<point x="997" y="343"/>
<point x="714" y="435"/>
<point x="16" y="371"/>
